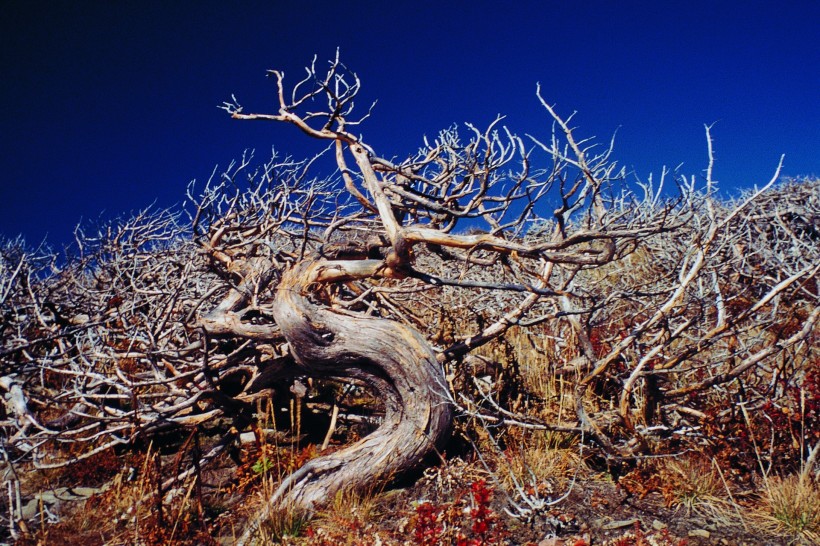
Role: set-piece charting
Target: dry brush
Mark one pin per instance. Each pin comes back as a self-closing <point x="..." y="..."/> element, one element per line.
<point x="389" y="275"/>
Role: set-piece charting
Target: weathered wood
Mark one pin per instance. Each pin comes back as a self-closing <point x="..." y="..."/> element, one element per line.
<point x="397" y="363"/>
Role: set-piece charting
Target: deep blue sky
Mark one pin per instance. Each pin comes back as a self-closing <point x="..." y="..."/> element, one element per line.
<point x="106" y="107"/>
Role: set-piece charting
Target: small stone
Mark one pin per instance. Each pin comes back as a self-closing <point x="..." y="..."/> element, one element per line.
<point x="30" y="509"/>
<point x="298" y="389"/>
<point x="658" y="525"/>
<point x="80" y="319"/>
<point x="699" y="533"/>
<point x="620" y="524"/>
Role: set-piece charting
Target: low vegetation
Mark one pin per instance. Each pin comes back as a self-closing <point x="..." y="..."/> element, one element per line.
<point x="479" y="345"/>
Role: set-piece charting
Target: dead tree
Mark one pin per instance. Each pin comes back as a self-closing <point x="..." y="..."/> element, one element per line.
<point x="157" y="323"/>
<point x="486" y="180"/>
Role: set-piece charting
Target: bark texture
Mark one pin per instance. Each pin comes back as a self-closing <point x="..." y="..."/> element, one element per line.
<point x="395" y="360"/>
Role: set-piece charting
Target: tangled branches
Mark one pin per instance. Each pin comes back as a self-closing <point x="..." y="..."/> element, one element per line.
<point x="651" y="307"/>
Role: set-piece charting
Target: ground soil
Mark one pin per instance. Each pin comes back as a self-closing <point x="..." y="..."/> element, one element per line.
<point x="597" y="511"/>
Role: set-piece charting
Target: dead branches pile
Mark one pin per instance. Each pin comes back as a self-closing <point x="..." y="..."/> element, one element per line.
<point x="652" y="304"/>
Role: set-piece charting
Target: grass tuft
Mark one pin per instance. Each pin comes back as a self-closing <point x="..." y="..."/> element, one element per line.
<point x="282" y="524"/>
<point x="791" y="507"/>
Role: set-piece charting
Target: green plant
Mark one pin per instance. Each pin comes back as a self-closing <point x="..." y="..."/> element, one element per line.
<point x="262" y="465"/>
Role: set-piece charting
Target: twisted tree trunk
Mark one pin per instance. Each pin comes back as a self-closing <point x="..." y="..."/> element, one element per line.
<point x="395" y="360"/>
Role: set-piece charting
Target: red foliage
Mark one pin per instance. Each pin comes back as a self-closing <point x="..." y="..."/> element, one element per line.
<point x="95" y="470"/>
<point x="427" y="529"/>
<point x="431" y="523"/>
<point x="482" y="515"/>
<point x="780" y="431"/>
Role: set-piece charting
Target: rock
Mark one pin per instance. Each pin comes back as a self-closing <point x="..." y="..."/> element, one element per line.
<point x="699" y="533"/>
<point x="298" y="389"/>
<point x="658" y="525"/>
<point x="79" y="320"/>
<point x="620" y="524"/>
<point x="54" y="497"/>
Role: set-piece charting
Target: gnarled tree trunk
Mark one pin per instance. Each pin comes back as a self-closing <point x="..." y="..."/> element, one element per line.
<point x="393" y="359"/>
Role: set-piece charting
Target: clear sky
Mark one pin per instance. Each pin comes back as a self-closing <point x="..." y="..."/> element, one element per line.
<point x="106" y="107"/>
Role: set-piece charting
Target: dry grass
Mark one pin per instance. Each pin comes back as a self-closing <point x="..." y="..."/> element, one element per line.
<point x="126" y="510"/>
<point x="281" y="525"/>
<point x="349" y="505"/>
<point x="541" y="460"/>
<point x="534" y="372"/>
<point x="695" y="485"/>
<point x="790" y="507"/>
<point x="539" y="353"/>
